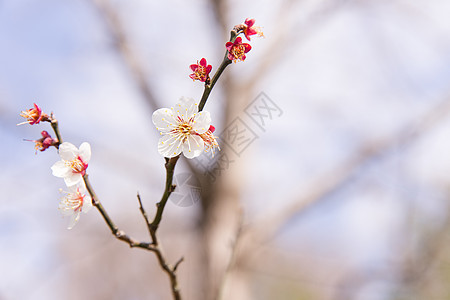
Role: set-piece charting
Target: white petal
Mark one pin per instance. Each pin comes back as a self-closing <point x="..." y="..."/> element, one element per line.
<point x="59" y="169"/>
<point x="73" y="179"/>
<point x="163" y="119"/>
<point x="85" y="152"/>
<point x="202" y="121"/>
<point x="186" y="108"/>
<point x="169" y="146"/>
<point x="73" y="220"/>
<point x="193" y="146"/>
<point x="68" y="151"/>
<point x="87" y="203"/>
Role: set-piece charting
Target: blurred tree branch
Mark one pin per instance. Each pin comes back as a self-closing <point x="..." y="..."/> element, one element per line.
<point x="257" y="233"/>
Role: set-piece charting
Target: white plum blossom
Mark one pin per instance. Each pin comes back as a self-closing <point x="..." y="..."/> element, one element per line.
<point x="73" y="163"/>
<point x="181" y="128"/>
<point x="77" y="200"/>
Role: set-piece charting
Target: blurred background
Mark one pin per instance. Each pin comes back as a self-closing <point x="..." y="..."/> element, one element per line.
<point x="336" y="187"/>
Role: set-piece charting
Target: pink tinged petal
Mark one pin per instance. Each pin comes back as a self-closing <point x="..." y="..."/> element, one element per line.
<point x="163" y="119"/>
<point x="251" y="31"/>
<point x="203" y="62"/>
<point x="249" y="22"/>
<point x="193" y="146"/>
<point x="229" y="45"/>
<point x="73" y="179"/>
<point x="85" y="152"/>
<point x="247" y="47"/>
<point x="169" y="146"/>
<point x="68" y="151"/>
<point x="194" y="67"/>
<point x="238" y="41"/>
<point x="202" y="121"/>
<point x="60" y="169"/>
<point x="208" y="69"/>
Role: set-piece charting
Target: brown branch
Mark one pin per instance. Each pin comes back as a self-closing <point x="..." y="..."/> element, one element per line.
<point x="152" y="227"/>
<point x="119" y="234"/>
<point x="117" y="32"/>
<point x="154" y="245"/>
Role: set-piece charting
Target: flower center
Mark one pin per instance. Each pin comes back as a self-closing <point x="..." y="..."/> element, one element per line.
<point x="32" y="115"/>
<point x="238" y="51"/>
<point x="210" y="140"/>
<point x="200" y="73"/>
<point x="184" y="129"/>
<point x="77" y="165"/>
<point x="73" y="201"/>
<point x="38" y="145"/>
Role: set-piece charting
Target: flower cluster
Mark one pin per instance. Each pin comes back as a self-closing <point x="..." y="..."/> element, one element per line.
<point x="72" y="167"/>
<point x="184" y="130"/>
<point x="236" y="50"/>
<point x="35" y="116"/>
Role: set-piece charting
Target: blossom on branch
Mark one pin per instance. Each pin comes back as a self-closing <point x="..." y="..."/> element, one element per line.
<point x="73" y="164"/>
<point x="237" y="50"/>
<point x="44" y="142"/>
<point x="249" y="29"/>
<point x="77" y="200"/>
<point x="210" y="140"/>
<point x="201" y="70"/>
<point x="33" y="115"/>
<point x="181" y="129"/>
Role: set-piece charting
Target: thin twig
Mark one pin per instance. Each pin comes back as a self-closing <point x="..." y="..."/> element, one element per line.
<point x="119" y="234"/>
<point x="225" y="63"/>
<point x="144" y="213"/>
<point x="54" y="123"/>
<point x="170" y="166"/>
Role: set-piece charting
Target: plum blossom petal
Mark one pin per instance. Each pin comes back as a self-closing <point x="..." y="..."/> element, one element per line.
<point x="202" y="122"/>
<point x="60" y="170"/>
<point x="186" y="107"/>
<point x="85" y="152"/>
<point x="67" y="151"/>
<point x="169" y="146"/>
<point x="164" y="119"/>
<point x="193" y="146"/>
